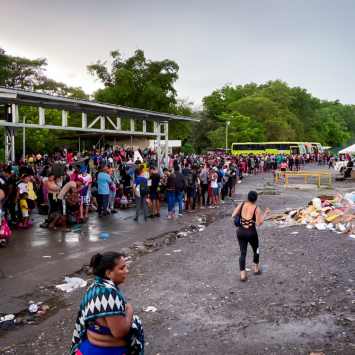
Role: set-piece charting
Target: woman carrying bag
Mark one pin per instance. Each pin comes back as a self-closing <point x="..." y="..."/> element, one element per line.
<point x="246" y="215"/>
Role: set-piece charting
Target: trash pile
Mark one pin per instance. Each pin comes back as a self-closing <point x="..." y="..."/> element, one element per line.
<point x="332" y="213"/>
<point x="31" y="316"/>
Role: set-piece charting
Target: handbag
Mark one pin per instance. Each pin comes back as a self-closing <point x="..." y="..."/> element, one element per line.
<point x="238" y="217"/>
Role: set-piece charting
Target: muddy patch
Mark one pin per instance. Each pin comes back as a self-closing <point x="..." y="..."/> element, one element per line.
<point x="45" y="310"/>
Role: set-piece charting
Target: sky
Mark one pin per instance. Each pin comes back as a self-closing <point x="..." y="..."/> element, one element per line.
<point x="307" y="43"/>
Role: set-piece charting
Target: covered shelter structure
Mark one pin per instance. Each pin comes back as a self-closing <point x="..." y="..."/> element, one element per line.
<point x="348" y="150"/>
<point x="106" y="121"/>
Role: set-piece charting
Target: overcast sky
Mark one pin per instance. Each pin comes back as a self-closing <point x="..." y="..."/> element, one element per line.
<point x="307" y="43"/>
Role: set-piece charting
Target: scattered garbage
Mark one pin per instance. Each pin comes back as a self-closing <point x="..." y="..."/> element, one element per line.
<point x="177" y="251"/>
<point x="150" y="309"/>
<point x="71" y="284"/>
<point x="33" y="308"/>
<point x="332" y="213"/>
<point x="8" y="325"/>
<point x="104" y="235"/>
<point x="6" y="318"/>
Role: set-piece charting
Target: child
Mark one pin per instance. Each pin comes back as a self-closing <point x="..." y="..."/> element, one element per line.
<point x="261" y="171"/>
<point x="24" y="211"/>
<point x="124" y="201"/>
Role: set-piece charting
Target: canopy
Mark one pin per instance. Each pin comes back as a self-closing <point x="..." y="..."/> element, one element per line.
<point x="348" y="150"/>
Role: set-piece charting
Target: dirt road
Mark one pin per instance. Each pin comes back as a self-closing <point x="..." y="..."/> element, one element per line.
<point x="303" y="302"/>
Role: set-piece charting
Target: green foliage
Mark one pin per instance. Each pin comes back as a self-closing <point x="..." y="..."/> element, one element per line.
<point x="286" y="113"/>
<point x="2" y="155"/>
<point x="241" y="129"/>
<point x="187" y="149"/>
<point x="137" y="82"/>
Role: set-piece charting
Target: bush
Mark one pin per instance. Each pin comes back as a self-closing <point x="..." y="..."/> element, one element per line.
<point x="187" y="149"/>
<point x="2" y="155"/>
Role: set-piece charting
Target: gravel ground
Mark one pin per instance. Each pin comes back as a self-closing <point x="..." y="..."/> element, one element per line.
<point x="303" y="302"/>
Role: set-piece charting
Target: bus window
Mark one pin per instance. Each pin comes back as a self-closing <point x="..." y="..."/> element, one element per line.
<point x="261" y="146"/>
<point x="294" y="149"/>
<point x="254" y="146"/>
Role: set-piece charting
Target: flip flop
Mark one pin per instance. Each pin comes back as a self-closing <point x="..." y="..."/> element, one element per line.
<point x="68" y="230"/>
<point x="86" y="218"/>
<point x="192" y="211"/>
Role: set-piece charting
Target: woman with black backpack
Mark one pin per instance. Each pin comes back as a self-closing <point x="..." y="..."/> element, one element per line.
<point x="249" y="215"/>
<point x="140" y="187"/>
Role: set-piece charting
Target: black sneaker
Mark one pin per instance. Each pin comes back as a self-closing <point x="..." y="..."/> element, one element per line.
<point x="245" y="279"/>
<point x="157" y="215"/>
<point x="113" y="211"/>
<point x="100" y="214"/>
<point x="151" y="216"/>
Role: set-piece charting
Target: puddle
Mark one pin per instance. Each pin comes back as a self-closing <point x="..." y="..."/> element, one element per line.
<point x="54" y="306"/>
<point x="214" y="217"/>
<point x="269" y="192"/>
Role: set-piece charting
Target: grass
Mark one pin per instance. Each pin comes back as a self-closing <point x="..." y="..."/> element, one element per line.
<point x="327" y="188"/>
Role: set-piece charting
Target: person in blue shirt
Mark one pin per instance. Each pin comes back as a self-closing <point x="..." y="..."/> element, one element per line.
<point x="139" y="199"/>
<point x="104" y="183"/>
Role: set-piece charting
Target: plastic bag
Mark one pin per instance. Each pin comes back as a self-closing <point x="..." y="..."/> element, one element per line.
<point x="317" y="203"/>
<point x="321" y="226"/>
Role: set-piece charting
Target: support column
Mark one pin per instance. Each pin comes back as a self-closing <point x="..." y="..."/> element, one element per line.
<point x="118" y="124"/>
<point x="132" y="125"/>
<point x="144" y="126"/>
<point x="7" y="144"/>
<point x="14" y="111"/>
<point x="84" y="120"/>
<point x="24" y="140"/>
<point x="166" y="145"/>
<point x="158" y="153"/>
<point x="79" y="145"/>
<point x="12" y="145"/>
<point x="114" y="143"/>
<point x="155" y="126"/>
<point x="102" y="122"/>
<point x="64" y="118"/>
<point x="42" y="120"/>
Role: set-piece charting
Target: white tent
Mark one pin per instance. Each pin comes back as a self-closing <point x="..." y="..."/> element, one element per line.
<point x="348" y="150"/>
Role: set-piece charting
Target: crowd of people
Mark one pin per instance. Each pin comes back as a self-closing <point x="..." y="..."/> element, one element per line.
<point x="186" y="182"/>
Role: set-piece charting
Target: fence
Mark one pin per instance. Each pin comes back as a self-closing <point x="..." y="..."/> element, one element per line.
<point x="302" y="173"/>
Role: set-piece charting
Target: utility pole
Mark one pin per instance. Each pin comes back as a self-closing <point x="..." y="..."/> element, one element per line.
<point x="227" y="124"/>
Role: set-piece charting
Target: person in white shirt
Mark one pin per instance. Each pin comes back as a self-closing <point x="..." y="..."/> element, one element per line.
<point x="214" y="188"/>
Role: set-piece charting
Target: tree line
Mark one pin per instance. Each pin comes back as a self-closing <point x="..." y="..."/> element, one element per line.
<point x="269" y="112"/>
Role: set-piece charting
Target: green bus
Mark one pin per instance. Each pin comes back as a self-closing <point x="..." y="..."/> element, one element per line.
<point x="317" y="147"/>
<point x="268" y="148"/>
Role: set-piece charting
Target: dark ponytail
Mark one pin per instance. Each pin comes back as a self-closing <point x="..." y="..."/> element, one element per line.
<point x="100" y="263"/>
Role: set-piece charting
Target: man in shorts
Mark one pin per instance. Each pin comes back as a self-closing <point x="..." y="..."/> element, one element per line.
<point x="154" y="194"/>
<point x="69" y="187"/>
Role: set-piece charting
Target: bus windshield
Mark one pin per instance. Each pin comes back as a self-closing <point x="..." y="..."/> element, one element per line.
<point x="302" y="148"/>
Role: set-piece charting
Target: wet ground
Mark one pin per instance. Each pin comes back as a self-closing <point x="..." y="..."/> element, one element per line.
<point x="188" y="269"/>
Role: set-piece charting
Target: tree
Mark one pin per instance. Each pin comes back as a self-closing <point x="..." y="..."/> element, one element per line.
<point x="217" y="103"/>
<point x="187" y="149"/>
<point x="333" y="135"/>
<point x="19" y="72"/>
<point x="241" y="129"/>
<point x="137" y="82"/>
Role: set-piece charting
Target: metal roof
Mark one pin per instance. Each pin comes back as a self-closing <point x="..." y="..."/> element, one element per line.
<point x="30" y="98"/>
